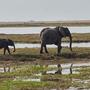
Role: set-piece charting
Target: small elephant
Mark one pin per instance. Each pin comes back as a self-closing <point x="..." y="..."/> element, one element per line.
<point x="4" y="43"/>
<point x="54" y="36"/>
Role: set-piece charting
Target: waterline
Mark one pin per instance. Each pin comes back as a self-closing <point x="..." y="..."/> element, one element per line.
<point x="30" y="45"/>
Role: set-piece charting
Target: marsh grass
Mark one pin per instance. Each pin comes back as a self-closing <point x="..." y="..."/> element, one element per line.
<point x="47" y="81"/>
<point x="23" y="70"/>
<point x="23" y="85"/>
<point x="35" y="38"/>
<point x="32" y="54"/>
<point x="65" y="53"/>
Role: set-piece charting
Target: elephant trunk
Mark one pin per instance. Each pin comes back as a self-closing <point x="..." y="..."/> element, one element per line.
<point x="70" y="42"/>
<point x="14" y="48"/>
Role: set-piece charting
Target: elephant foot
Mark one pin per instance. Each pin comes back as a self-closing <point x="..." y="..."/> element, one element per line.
<point x="47" y="52"/>
<point x="41" y="52"/>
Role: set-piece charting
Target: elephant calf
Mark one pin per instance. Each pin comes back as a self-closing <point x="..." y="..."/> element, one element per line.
<point x="4" y="43"/>
<point x="54" y="36"/>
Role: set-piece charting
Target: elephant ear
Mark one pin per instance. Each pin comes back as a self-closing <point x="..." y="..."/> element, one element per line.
<point x="62" y="31"/>
<point x="67" y="32"/>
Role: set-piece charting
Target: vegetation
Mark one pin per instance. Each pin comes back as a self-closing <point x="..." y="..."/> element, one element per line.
<point x="32" y="54"/>
<point x="80" y="80"/>
<point x="27" y="63"/>
<point x="35" y="38"/>
<point x="46" y="23"/>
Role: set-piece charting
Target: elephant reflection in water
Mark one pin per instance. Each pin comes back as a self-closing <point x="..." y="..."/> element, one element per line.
<point x="54" y="36"/>
<point x="5" y="43"/>
<point x="59" y="71"/>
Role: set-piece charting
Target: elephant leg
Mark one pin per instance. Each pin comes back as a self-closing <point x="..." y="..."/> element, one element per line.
<point x="59" y="46"/>
<point x="45" y="49"/>
<point x="59" y="49"/>
<point x="41" y="50"/>
<point x="4" y="51"/>
<point x="8" y="50"/>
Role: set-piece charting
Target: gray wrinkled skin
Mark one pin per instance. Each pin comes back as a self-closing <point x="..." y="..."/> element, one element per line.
<point x="54" y="36"/>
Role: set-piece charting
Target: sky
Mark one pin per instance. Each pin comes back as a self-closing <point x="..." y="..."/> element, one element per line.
<point x="28" y="10"/>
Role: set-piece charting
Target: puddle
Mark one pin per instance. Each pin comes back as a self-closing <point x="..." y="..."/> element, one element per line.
<point x="5" y="69"/>
<point x="66" y="68"/>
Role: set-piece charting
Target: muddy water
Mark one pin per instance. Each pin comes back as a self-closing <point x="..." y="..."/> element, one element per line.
<point x="29" y="45"/>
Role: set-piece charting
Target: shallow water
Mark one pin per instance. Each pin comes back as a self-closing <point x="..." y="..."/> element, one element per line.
<point x="30" y="45"/>
<point x="30" y="30"/>
<point x="66" y="68"/>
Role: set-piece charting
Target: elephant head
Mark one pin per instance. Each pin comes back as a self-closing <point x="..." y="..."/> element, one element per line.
<point x="11" y="43"/>
<point x="64" y="32"/>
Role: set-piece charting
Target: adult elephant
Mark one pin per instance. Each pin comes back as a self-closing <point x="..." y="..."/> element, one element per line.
<point x="54" y="36"/>
<point x="5" y="43"/>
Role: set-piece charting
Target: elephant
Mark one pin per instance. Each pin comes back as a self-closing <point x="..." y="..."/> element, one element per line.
<point x="5" y="43"/>
<point x="54" y="36"/>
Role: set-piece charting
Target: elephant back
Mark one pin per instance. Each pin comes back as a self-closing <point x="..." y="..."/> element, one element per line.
<point x="49" y="35"/>
<point x="3" y="43"/>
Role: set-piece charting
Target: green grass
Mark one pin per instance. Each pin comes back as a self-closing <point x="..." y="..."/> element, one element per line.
<point x="23" y="85"/>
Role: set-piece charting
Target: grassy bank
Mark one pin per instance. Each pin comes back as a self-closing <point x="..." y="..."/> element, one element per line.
<point x="35" y="38"/>
<point x="32" y="54"/>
